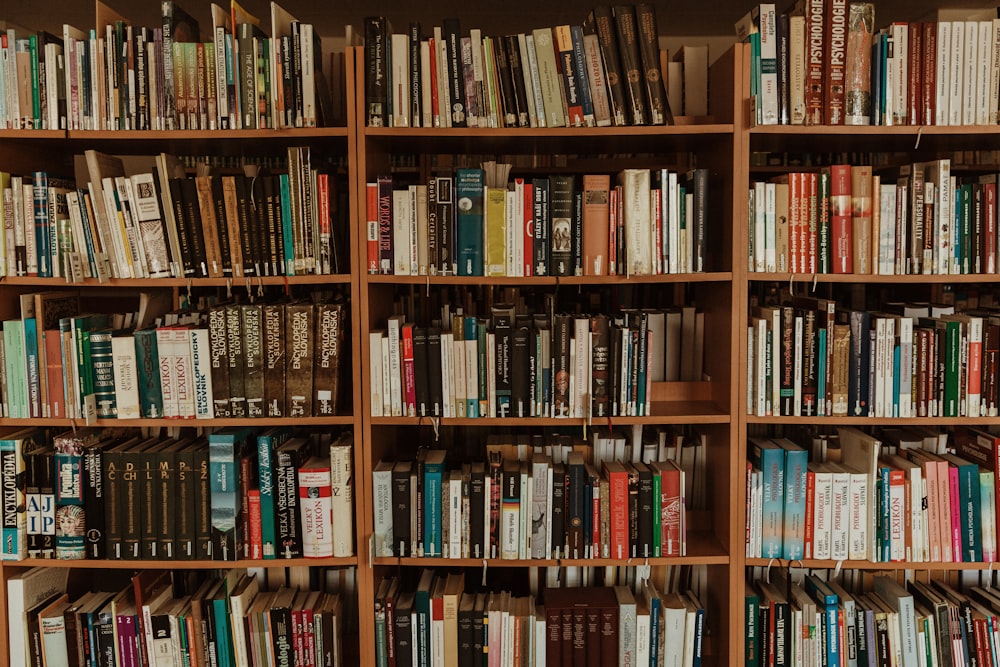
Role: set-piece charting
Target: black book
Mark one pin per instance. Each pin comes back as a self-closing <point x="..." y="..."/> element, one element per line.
<point x="561" y="233"/>
<point x="434" y="388"/>
<point x="288" y="77"/>
<point x="112" y="511"/>
<point x="376" y="69"/>
<point x="403" y="643"/>
<point x="628" y="47"/>
<point x="446" y="224"/>
<point x="93" y="499"/>
<point x="787" y="368"/>
<point x="697" y="182"/>
<point x="452" y="34"/>
<point x="649" y="54"/>
<point x="558" y="508"/>
<point x="282" y="628"/>
<point x="272" y="225"/>
<point x="517" y="74"/>
<point x="222" y="227"/>
<point x="534" y="358"/>
<point x="543" y="225"/>
<point x="607" y="38"/>
<point x="496" y="484"/>
<point x="299" y="333"/>
<point x="782" y="28"/>
<point x="202" y="501"/>
<point x="149" y="488"/>
<point x="246" y="34"/>
<point x="416" y="92"/>
<point x="257" y="222"/>
<point x="857" y="389"/>
<point x="289" y="456"/>
<point x="520" y="392"/>
<point x="132" y="500"/>
<point x="478" y="625"/>
<point x="502" y="331"/>
<point x="274" y="360"/>
<point x="245" y="221"/>
<point x="508" y="99"/>
<point x="601" y="366"/>
<point x="466" y="634"/>
<point x="251" y="320"/>
<point x="401" y="508"/>
<point x="187" y="259"/>
<point x="219" y="358"/>
<point x="645" y="545"/>
<point x="633" y="510"/>
<point x="192" y="220"/>
<point x="295" y="100"/>
<point x="185" y="503"/>
<point x="421" y="377"/>
<point x="615" y="385"/>
<point x="171" y="503"/>
<point x="576" y="493"/>
<point x="477" y="509"/>
<point x="234" y="354"/>
<point x="433" y="261"/>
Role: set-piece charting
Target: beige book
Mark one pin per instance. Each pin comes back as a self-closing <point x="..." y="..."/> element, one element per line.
<point x="548" y="74"/>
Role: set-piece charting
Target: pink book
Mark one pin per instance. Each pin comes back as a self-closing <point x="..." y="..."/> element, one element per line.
<point x="128" y="649"/>
<point x="956" y="519"/>
<point x="528" y="205"/>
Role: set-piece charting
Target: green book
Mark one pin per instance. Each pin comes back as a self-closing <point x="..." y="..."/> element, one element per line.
<point x="148" y="367"/>
<point x="103" y="373"/>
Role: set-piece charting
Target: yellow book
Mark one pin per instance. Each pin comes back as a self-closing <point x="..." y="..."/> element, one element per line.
<point x="496" y="231"/>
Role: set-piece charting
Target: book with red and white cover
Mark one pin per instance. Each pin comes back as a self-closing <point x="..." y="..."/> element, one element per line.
<point x="315" y="507"/>
<point x="841" y="232"/>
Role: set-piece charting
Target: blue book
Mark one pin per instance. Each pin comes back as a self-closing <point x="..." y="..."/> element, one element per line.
<point x="580" y="68"/>
<point x="883" y="525"/>
<point x="794" y="532"/>
<point x="148" y="366"/>
<point x="829" y="604"/>
<point x="224" y="450"/>
<point x="769" y="458"/>
<point x="433" y="473"/>
<point x="653" y="601"/>
<point x="469" y="191"/>
<point x="895" y="381"/>
<point x="267" y="443"/>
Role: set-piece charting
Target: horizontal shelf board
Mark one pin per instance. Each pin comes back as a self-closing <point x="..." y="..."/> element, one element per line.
<point x="878" y="421"/>
<point x="33" y="134"/>
<point x="878" y="130"/>
<point x="688" y="412"/>
<point x="196" y="423"/>
<point x="782" y="277"/>
<point x="203" y="135"/>
<point x="812" y="563"/>
<point x="703" y="549"/>
<point x="543" y="132"/>
<point x="338" y="278"/>
<point x="351" y="561"/>
<point x="715" y="276"/>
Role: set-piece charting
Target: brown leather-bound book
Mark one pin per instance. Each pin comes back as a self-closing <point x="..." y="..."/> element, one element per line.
<point x="299" y="333"/>
<point x="251" y="317"/>
<point x="274" y="360"/>
<point x="637" y="112"/>
<point x="652" y="77"/>
<point x="330" y="339"/>
<point x="209" y="230"/>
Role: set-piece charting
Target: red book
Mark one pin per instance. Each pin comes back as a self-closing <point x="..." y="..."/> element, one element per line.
<point x="794" y="219"/>
<point x="409" y="380"/>
<point x="435" y="112"/>
<point x="371" y="225"/>
<point x="816" y="55"/>
<point x="810" y="526"/>
<point x="256" y="537"/>
<point x="914" y="71"/>
<point x="618" y="508"/>
<point x="670" y="509"/>
<point x="836" y="66"/>
<point x="841" y="241"/>
<point x="990" y="233"/>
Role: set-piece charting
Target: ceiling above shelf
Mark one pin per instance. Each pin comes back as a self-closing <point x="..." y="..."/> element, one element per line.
<point x="675" y="19"/>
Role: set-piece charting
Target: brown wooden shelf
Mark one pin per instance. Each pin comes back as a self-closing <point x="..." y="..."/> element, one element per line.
<point x="878" y="421"/>
<point x="51" y="135"/>
<point x="543" y="132"/>
<point x="541" y="281"/>
<point x="35" y="281"/>
<point x="944" y="279"/>
<point x="351" y="561"/>
<point x="190" y="423"/>
<point x="877" y="130"/>
<point x="703" y="549"/>
<point x="812" y="563"/>
<point x="204" y="135"/>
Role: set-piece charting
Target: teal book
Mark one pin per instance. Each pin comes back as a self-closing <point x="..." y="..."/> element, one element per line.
<point x="794" y="533"/>
<point x="225" y="447"/>
<point x="422" y="607"/>
<point x="32" y="372"/>
<point x="148" y="371"/>
<point x="751" y="642"/>
<point x="769" y="458"/>
<point x="829" y="605"/>
<point x="267" y="443"/>
<point x="433" y="473"/>
<point x="13" y="520"/>
<point x="970" y="512"/>
<point x="469" y="192"/>
<point x="882" y="521"/>
<point x="221" y="612"/>
<point x="286" y="225"/>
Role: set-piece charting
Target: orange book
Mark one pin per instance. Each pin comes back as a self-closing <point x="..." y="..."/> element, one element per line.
<point x="841" y="232"/>
<point x="596" y="211"/>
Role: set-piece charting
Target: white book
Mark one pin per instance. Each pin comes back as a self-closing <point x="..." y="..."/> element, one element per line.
<point x="975" y="368"/>
<point x="759" y="226"/>
<point x="942" y="74"/>
<point x="382" y="508"/>
<point x="840" y="513"/>
<point x="797" y="69"/>
<point x="342" y="491"/>
<point x="900" y="71"/>
<point x="797" y="376"/>
<point x="400" y="50"/>
<point x="993" y="104"/>
<point x="970" y="72"/>
<point x="395" y="366"/>
<point x="26" y="590"/>
<point x="414" y="262"/>
<point x="879" y="389"/>
<point x="887" y="230"/>
<point x="456" y="530"/>
<point x="513" y="232"/>
<point x="906" y="362"/>
<point x="529" y="91"/>
<point x="126" y="377"/>
<point x="581" y="341"/>
<point x="900" y="600"/>
<point x="168" y="384"/>
<point x="444" y="90"/>
<point x="635" y="197"/>
<point x="770" y="231"/>
<point x="642" y="632"/>
<point x="957" y="74"/>
<point x="458" y="377"/>
<point x="763" y="391"/>
<point x="472" y="378"/>
<point x="984" y="70"/>
<point x="183" y="373"/>
<point x="751" y="362"/>
<point x="386" y="376"/>
<point x="201" y="373"/>
<point x="823" y="514"/>
<point x="536" y="82"/>
<point x="447" y="373"/>
<point x="420" y="209"/>
<point x="674" y="223"/>
<point x="673" y="622"/>
<point x="401" y="232"/>
<point x="858" y="537"/>
<point x="375" y="372"/>
<point x="524" y="515"/>
<point x="310" y="111"/>
<point x="426" y="95"/>
<point x="541" y="493"/>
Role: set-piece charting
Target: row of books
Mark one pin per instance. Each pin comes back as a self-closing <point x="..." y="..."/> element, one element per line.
<point x="480" y="223"/>
<point x="520" y="365"/>
<point x="920" y="506"/>
<point x="844" y="219"/>
<point x="121" y="76"/>
<point x="604" y="72"/>
<point x="826" y="63"/>
<point x="534" y="507"/>
<point x="442" y="621"/>
<point x="157" y="618"/>
<point x="158" y="223"/>
<point x="817" y="621"/>
<point x="235" y="360"/>
<point x="231" y="494"/>
<point x="807" y="358"/>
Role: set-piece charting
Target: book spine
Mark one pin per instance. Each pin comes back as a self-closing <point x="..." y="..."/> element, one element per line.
<point x="816" y="59"/>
